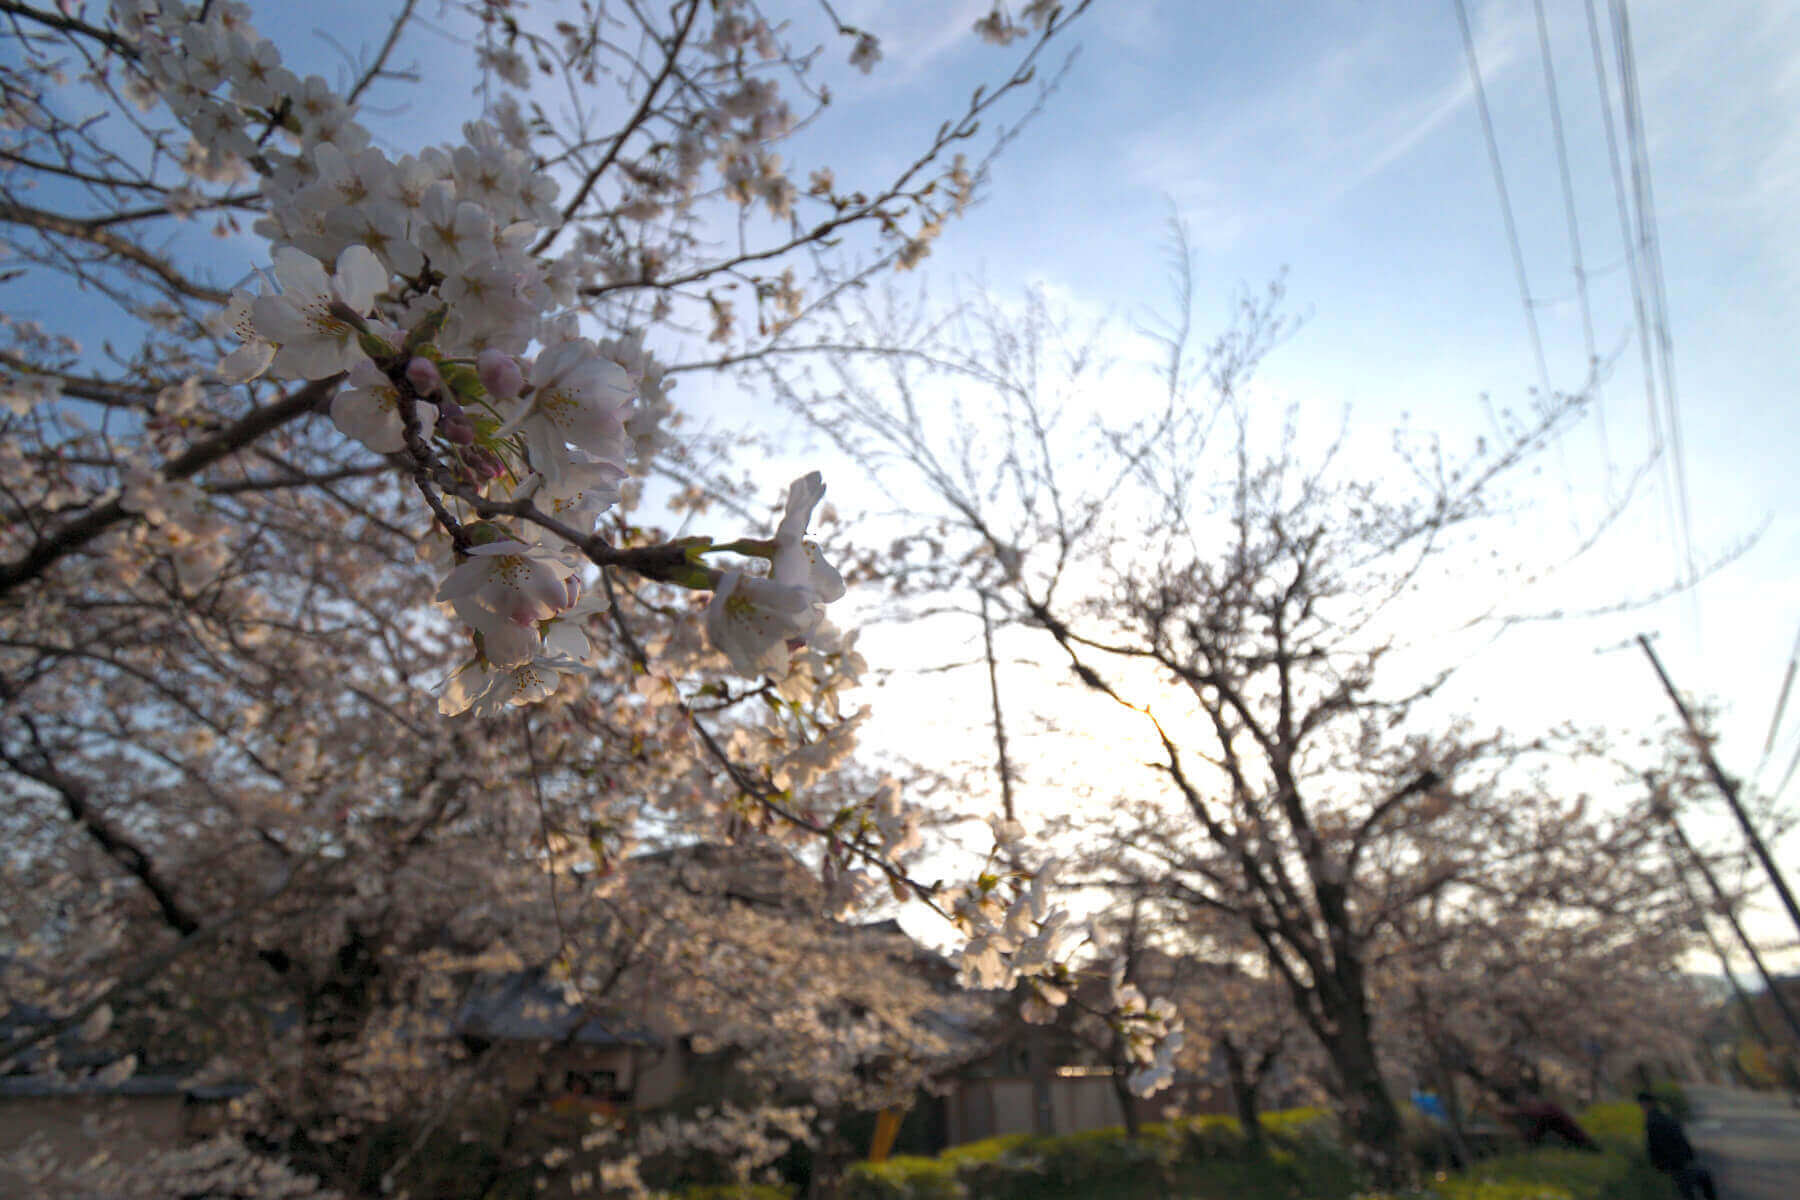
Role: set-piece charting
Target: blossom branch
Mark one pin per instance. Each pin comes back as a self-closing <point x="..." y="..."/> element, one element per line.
<point x="85" y="528"/>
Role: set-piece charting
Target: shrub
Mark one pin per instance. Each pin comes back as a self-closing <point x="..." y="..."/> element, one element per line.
<point x="1295" y="1121"/>
<point x="1620" y="1121"/>
<point x="985" y="1150"/>
<point x="1210" y="1137"/>
<point x="1557" y="1175"/>
<point x="1206" y="1158"/>
<point x="1105" y="1156"/>
<point x="734" y="1191"/>
<point x="904" y="1178"/>
<point x="1198" y="1158"/>
<point x="1673" y="1097"/>
<point x="1203" y="1158"/>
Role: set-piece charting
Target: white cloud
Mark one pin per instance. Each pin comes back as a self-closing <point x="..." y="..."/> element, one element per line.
<point x="1327" y="124"/>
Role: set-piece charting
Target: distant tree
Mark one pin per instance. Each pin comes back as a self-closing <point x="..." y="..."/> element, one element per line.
<point x="1536" y="971"/>
<point x="1239" y="1026"/>
<point x="1261" y="612"/>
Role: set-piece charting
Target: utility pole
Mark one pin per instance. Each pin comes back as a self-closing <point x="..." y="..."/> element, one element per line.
<point x="1761" y="1031"/>
<point x="1667" y="813"/>
<point x="1725" y="786"/>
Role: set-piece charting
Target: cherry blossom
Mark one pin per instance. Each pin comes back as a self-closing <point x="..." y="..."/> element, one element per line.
<point x="246" y="582"/>
<point x="757" y="622"/>
<point x="578" y="397"/>
<point x="312" y="319"/>
<point x="369" y="410"/>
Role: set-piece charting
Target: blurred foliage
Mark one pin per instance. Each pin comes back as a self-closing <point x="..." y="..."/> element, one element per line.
<point x="1207" y="1158"/>
<point x="1201" y="1157"/>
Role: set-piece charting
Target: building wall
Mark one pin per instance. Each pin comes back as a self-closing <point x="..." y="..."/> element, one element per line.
<point x="991" y="1107"/>
<point x="660" y="1075"/>
<point x="1090" y="1103"/>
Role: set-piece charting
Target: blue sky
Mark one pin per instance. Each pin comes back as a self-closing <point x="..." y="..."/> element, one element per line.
<point x="1339" y="139"/>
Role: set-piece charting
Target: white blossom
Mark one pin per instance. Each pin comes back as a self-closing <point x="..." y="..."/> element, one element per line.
<point x="369" y="410"/>
<point x="305" y="319"/>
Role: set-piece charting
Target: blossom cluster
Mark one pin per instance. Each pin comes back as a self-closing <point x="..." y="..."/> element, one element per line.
<point x="416" y="291"/>
<point x="1010" y="938"/>
<point x="1151" y="1031"/>
<point x="220" y="1166"/>
<point x="1025" y="939"/>
<point x="743" y="1139"/>
<point x="414" y="280"/>
<point x="1000" y="27"/>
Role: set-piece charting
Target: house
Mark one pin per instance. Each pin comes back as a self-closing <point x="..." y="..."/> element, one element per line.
<point x="543" y="1042"/>
<point x="71" y="1113"/>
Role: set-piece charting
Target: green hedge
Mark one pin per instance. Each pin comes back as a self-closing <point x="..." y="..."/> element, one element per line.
<point x="905" y="1178"/>
<point x="1555" y="1175"/>
<point x="1200" y="1157"/>
<point x="1207" y="1158"/>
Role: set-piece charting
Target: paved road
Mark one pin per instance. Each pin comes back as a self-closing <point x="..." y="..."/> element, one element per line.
<point x="1751" y="1140"/>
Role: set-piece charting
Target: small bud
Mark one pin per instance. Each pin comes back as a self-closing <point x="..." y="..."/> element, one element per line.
<point x="461" y="380"/>
<point x="500" y="374"/>
<point x="483" y="532"/>
<point x="485" y="463"/>
<point x="422" y="373"/>
<point x="348" y="315"/>
<point x="374" y="347"/>
<point x="458" y="430"/>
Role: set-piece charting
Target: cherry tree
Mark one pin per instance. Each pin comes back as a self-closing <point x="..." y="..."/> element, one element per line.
<point x="1236" y="1019"/>
<point x="1538" y="967"/>
<point x="346" y="642"/>
<point x="1251" y="594"/>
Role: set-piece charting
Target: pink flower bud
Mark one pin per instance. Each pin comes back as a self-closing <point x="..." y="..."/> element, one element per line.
<point x="485" y="463"/>
<point x="457" y="429"/>
<point x="422" y="373"/>
<point x="500" y="374"/>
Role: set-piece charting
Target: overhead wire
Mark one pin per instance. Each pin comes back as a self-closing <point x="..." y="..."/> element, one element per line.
<point x="1650" y="259"/>
<point x="1569" y="213"/>
<point x="1506" y="212"/>
<point x="1653" y="407"/>
<point x="1787" y="776"/>
<point x="1652" y="248"/>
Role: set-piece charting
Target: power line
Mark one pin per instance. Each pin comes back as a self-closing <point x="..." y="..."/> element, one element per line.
<point x="1650" y="249"/>
<point x="1787" y="776"/>
<point x="1568" y="191"/>
<point x="1653" y="409"/>
<point x="1506" y="214"/>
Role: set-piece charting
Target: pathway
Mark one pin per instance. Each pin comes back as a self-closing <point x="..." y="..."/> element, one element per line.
<point x="1751" y="1140"/>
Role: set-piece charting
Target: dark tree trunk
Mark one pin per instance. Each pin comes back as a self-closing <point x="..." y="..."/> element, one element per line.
<point x="1459" y="1138"/>
<point x="1037" y="1052"/>
<point x="1371" y="1120"/>
<point x="1122" y="1087"/>
<point x="1244" y="1090"/>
